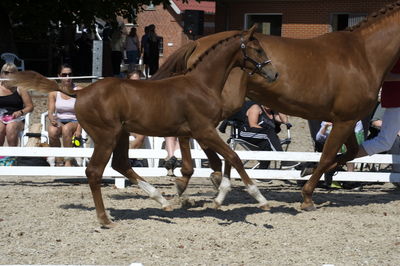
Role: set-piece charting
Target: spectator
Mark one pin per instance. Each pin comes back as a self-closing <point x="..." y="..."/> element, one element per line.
<point x="171" y="162"/>
<point x="61" y="113"/>
<point x="321" y="137"/>
<point x="258" y="125"/>
<point x="154" y="50"/>
<point x="117" y="43"/>
<point x="390" y="96"/>
<point x="376" y="122"/>
<point x="132" y="47"/>
<point x="144" y="49"/>
<point x="84" y="46"/>
<point x="15" y="103"/>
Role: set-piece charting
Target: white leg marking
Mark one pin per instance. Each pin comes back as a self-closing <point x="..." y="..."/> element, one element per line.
<point x="255" y="193"/>
<point x="153" y="193"/>
<point x="224" y="188"/>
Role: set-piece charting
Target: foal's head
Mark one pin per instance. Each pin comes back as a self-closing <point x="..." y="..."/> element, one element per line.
<point x="255" y="59"/>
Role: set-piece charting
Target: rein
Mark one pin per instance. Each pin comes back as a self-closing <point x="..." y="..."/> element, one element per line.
<point x="257" y="65"/>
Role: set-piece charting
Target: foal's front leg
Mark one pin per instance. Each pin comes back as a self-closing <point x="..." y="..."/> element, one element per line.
<point x="120" y="163"/>
<point x="210" y="138"/>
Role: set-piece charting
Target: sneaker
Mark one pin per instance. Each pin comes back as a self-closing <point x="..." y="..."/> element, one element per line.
<point x="170" y="163"/>
<point x="336" y="185"/>
<point x="289" y="164"/>
<point x="306" y="168"/>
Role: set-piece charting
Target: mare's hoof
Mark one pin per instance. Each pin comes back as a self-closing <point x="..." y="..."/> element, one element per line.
<point x="308" y="206"/>
<point x="187" y="203"/>
<point x="168" y="208"/>
<point x="265" y="207"/>
<point x="109" y="225"/>
<point x="181" y="185"/>
<point x="216" y="178"/>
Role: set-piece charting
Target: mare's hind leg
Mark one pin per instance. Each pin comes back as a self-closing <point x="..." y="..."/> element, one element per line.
<point x="120" y="162"/>
<point x="340" y="133"/>
<point x="187" y="165"/>
<point x="216" y="166"/>
<point x="210" y="138"/>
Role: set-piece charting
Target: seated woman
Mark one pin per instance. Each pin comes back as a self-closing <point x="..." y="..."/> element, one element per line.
<point x="259" y="125"/>
<point x="14" y="104"/>
<point x="61" y="113"/>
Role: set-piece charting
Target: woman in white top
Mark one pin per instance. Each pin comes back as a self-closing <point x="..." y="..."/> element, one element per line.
<point x="61" y="113"/>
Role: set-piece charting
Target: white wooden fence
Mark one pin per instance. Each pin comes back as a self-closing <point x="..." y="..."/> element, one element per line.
<point x="38" y="171"/>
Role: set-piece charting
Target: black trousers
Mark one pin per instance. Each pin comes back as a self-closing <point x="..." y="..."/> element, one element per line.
<point x="265" y="138"/>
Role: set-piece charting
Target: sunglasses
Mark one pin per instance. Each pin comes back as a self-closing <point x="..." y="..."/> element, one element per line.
<point x="66" y="74"/>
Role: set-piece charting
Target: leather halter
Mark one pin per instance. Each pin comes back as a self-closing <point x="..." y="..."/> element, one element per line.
<point x="257" y="65"/>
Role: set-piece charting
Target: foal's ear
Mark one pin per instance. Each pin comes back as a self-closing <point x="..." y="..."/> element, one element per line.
<point x="253" y="29"/>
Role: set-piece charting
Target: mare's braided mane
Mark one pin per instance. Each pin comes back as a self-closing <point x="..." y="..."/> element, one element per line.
<point x="208" y="51"/>
<point x="388" y="9"/>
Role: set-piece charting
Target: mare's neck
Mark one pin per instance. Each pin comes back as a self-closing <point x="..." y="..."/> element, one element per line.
<point x="213" y="69"/>
<point x="382" y="42"/>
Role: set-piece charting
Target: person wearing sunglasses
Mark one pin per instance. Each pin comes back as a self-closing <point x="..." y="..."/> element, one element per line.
<point x="61" y="113"/>
<point x="14" y="105"/>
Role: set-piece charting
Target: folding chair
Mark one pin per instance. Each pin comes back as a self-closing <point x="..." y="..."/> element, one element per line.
<point x="45" y="134"/>
<point x="12" y="58"/>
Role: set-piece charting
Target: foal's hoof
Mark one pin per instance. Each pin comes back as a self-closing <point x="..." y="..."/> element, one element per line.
<point x="216" y="178"/>
<point x="308" y="206"/>
<point x="265" y="207"/>
<point x="216" y="205"/>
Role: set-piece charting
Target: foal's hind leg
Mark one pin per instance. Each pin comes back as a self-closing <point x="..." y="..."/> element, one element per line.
<point x="94" y="173"/>
<point x="339" y="134"/>
<point x="210" y="138"/>
<point x="120" y="162"/>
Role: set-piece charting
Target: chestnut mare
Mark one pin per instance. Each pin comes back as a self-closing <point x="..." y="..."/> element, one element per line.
<point x="334" y="77"/>
<point x="187" y="106"/>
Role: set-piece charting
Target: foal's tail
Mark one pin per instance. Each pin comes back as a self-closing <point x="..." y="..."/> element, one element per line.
<point x="31" y="80"/>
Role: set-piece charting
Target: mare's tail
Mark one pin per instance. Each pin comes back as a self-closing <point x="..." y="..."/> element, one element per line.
<point x="176" y="62"/>
<point x="31" y="80"/>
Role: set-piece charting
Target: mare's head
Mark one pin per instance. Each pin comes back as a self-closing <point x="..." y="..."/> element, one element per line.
<point x="255" y="59"/>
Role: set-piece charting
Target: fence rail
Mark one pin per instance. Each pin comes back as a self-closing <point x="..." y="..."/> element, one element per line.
<point x="364" y="176"/>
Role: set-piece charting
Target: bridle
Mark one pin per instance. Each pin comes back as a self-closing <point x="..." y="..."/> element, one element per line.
<point x="257" y="66"/>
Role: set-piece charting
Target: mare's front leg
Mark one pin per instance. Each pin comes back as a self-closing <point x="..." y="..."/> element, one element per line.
<point x="341" y="132"/>
<point x="187" y="165"/>
<point x="120" y="163"/>
<point x="210" y="137"/>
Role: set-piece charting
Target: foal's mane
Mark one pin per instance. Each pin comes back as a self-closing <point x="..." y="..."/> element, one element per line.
<point x="388" y="9"/>
<point x="215" y="45"/>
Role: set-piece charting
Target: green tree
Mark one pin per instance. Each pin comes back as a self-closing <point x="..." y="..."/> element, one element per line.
<point x="33" y="19"/>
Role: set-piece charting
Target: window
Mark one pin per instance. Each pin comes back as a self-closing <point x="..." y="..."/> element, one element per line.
<point x="269" y="24"/>
<point x="344" y="20"/>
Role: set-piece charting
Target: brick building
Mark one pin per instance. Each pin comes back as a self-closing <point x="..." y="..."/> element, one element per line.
<point x="169" y="22"/>
<point x="293" y="18"/>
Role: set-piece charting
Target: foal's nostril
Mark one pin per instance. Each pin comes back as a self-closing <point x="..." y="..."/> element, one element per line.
<point x="276" y="75"/>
